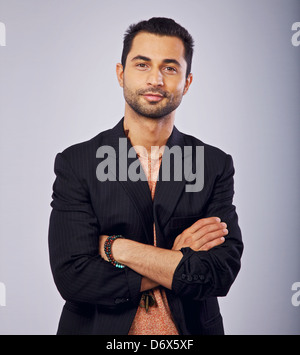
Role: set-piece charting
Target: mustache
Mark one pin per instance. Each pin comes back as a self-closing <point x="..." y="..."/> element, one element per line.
<point x="153" y="91"/>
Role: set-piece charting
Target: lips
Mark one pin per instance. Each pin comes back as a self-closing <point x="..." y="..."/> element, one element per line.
<point x="154" y="97"/>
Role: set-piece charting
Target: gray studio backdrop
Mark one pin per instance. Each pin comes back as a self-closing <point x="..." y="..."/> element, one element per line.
<point x="58" y="87"/>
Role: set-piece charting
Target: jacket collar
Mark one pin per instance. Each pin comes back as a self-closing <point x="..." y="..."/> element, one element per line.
<point x="176" y="137"/>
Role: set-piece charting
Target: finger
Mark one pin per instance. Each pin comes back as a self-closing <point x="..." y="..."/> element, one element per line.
<point x="205" y="232"/>
<point x="211" y="237"/>
<point x="202" y="223"/>
<point x="212" y="244"/>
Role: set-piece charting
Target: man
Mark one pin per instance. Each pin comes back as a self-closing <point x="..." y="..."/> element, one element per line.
<point x="147" y="255"/>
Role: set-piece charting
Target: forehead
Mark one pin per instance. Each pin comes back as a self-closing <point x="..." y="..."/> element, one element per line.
<point x="157" y="47"/>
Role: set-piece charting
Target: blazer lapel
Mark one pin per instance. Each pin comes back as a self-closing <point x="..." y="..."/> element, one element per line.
<point x="168" y="191"/>
<point x="138" y="191"/>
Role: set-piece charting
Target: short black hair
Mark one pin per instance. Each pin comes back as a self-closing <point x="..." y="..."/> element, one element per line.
<point x="161" y="26"/>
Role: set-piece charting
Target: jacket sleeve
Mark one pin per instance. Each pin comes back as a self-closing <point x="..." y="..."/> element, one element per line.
<point x="80" y="273"/>
<point x="204" y="274"/>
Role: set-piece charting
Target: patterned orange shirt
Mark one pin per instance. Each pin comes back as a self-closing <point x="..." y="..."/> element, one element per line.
<point x="158" y="320"/>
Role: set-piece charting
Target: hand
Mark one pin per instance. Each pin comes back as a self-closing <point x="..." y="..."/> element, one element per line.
<point x="204" y="234"/>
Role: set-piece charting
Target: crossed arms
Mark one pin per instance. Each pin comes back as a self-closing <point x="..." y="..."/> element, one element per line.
<point x="82" y="275"/>
<point x="158" y="265"/>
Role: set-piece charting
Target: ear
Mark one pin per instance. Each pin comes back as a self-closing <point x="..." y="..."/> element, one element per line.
<point x="188" y="82"/>
<point x="120" y="73"/>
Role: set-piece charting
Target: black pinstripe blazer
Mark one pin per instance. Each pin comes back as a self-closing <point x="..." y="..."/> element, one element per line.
<point x="102" y="299"/>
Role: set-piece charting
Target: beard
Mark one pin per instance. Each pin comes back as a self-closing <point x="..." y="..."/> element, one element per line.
<point x="155" y="110"/>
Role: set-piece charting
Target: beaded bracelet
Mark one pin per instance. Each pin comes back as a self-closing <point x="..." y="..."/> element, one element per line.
<point x="107" y="249"/>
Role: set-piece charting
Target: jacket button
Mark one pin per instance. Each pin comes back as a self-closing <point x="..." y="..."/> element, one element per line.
<point x="189" y="278"/>
<point x="195" y="277"/>
<point x="183" y="276"/>
<point x="201" y="277"/>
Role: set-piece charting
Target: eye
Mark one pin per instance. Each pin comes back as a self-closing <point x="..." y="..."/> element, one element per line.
<point x="171" y="70"/>
<point x="142" y="66"/>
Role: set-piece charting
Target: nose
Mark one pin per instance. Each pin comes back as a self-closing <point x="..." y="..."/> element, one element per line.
<point x="155" y="78"/>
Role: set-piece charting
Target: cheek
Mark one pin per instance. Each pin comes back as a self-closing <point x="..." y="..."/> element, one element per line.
<point x="133" y="77"/>
<point x="176" y="87"/>
<point x="133" y="85"/>
<point x="178" y="92"/>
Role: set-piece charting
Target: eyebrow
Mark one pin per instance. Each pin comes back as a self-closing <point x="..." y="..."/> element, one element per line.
<point x="146" y="59"/>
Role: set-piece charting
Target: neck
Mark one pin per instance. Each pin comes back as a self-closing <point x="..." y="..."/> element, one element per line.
<point x="147" y="132"/>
